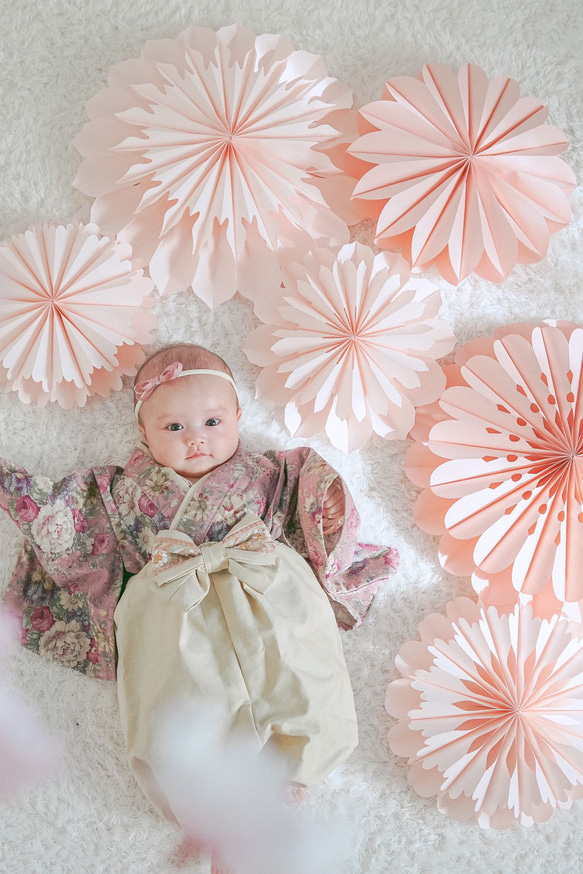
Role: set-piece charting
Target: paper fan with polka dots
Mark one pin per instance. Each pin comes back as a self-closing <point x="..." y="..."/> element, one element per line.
<point x="500" y="461"/>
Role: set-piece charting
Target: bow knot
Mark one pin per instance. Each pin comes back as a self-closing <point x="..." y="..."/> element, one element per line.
<point x="144" y="389"/>
<point x="183" y="570"/>
<point x="214" y="556"/>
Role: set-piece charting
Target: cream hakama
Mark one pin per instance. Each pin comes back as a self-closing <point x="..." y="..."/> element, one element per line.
<point x="244" y="625"/>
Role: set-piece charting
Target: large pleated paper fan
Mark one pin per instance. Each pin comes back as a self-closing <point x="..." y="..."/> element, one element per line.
<point x="74" y="314"/>
<point x="502" y="467"/>
<point x="354" y="347"/>
<point x="490" y="713"/>
<point x="462" y="172"/>
<point x="202" y="147"/>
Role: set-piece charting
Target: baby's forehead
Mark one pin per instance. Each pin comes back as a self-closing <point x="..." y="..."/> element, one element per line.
<point x="204" y="391"/>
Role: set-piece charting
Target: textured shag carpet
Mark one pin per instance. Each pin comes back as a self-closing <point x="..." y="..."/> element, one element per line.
<point x="54" y="55"/>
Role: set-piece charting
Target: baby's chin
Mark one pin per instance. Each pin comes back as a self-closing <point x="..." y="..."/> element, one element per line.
<point x="195" y="471"/>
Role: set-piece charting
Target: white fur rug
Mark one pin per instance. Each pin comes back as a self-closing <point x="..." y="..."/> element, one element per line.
<point x="55" y="54"/>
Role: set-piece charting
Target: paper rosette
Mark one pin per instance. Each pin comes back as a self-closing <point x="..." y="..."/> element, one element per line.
<point x="490" y="713"/>
<point x="202" y="147"/>
<point x="73" y="314"/>
<point x="462" y="172"/>
<point x="354" y="348"/>
<point x="502" y="468"/>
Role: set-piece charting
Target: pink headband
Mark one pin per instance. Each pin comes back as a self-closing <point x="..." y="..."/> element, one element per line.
<point x="144" y="389"/>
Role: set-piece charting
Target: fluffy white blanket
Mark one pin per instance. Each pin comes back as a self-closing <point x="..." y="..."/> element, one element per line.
<point x="55" y="55"/>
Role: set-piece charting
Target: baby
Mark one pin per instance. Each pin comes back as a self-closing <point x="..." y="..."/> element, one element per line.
<point x="240" y="622"/>
<point x="239" y="566"/>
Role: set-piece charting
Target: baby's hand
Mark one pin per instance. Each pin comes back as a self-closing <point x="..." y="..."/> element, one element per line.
<point x="333" y="508"/>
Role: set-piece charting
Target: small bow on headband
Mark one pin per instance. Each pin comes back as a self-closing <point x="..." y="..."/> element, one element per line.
<point x="144" y="389"/>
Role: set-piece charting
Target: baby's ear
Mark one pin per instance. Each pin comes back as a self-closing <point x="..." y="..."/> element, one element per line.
<point x="239" y="411"/>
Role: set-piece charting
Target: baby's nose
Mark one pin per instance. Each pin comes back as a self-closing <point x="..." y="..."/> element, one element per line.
<point x="194" y="436"/>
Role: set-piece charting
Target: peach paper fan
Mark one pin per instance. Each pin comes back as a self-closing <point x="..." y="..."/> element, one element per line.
<point x="354" y="347"/>
<point x="500" y="461"/>
<point x="73" y="314"/>
<point x="462" y="173"/>
<point x="203" y="146"/>
<point x="490" y="713"/>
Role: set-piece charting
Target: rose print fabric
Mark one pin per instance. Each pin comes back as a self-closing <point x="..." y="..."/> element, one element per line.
<point x="91" y="530"/>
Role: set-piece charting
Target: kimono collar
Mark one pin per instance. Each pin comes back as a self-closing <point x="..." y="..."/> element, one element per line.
<point x="182" y="481"/>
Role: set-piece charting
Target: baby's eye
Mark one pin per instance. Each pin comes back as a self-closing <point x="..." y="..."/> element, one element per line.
<point x="174" y="426"/>
<point x="212" y="422"/>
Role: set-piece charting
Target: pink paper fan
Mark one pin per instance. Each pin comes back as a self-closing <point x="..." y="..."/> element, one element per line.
<point x="73" y="313"/>
<point x="354" y="348"/>
<point x="463" y="172"/>
<point x="199" y="148"/>
<point x="490" y="712"/>
<point x="502" y="468"/>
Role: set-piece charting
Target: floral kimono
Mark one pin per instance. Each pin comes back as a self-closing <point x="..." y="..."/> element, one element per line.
<point x="86" y="534"/>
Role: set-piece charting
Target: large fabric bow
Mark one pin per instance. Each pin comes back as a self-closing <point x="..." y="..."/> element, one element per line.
<point x="144" y="389"/>
<point x="182" y="570"/>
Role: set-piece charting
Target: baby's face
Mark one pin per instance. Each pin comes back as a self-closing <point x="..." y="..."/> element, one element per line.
<point x="191" y="424"/>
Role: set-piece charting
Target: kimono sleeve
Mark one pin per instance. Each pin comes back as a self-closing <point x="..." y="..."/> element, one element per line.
<point x="67" y="581"/>
<point x="349" y="571"/>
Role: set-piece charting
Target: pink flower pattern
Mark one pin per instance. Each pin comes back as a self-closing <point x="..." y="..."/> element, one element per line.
<point x="147" y="506"/>
<point x="42" y="619"/>
<point x="27" y="509"/>
<point x="79" y="521"/>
